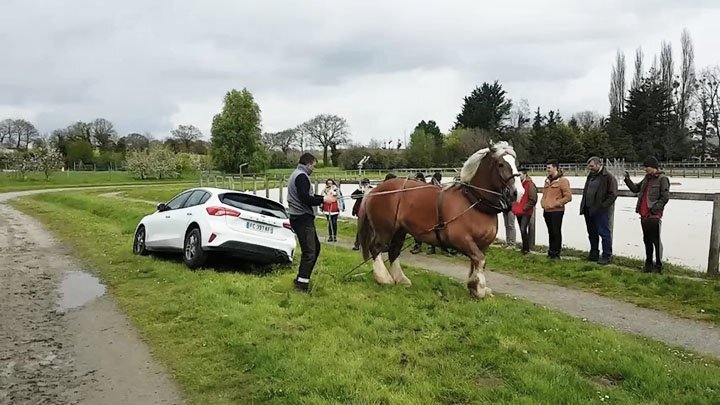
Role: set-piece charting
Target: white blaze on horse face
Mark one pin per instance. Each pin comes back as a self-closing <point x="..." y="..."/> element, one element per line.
<point x="518" y="184"/>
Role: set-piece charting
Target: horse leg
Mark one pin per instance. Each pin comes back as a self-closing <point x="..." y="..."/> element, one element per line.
<point x="394" y="256"/>
<point x="476" y="284"/>
<point x="380" y="272"/>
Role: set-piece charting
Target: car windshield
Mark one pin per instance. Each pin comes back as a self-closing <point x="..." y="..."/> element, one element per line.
<point x="254" y="204"/>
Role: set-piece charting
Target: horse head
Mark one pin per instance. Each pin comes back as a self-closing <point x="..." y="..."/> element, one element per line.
<point x="494" y="173"/>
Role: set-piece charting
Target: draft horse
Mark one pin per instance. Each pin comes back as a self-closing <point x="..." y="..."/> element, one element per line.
<point x="462" y="215"/>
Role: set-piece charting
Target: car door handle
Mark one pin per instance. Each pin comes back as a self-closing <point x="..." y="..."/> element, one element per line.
<point x="189" y="213"/>
<point x="167" y="216"/>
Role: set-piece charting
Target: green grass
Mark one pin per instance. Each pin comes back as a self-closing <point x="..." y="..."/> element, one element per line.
<point x="241" y="335"/>
<point x="34" y="181"/>
<point x="671" y="292"/>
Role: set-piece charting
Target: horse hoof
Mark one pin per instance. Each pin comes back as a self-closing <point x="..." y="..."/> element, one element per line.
<point x="404" y="281"/>
<point x="384" y="280"/>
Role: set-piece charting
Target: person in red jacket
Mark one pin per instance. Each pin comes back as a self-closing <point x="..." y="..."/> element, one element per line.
<point x="525" y="208"/>
<point x="653" y="194"/>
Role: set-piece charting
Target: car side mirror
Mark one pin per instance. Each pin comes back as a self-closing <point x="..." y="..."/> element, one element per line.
<point x="162" y="207"/>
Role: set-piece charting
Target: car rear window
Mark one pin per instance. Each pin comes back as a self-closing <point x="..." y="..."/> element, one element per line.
<point x="254" y="204"/>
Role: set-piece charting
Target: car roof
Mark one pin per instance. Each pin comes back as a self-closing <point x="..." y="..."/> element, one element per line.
<point x="216" y="191"/>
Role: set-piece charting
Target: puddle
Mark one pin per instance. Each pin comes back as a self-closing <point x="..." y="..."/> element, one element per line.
<point x="78" y="288"/>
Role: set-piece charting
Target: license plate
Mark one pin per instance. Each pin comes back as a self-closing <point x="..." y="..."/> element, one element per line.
<point x="259" y="227"/>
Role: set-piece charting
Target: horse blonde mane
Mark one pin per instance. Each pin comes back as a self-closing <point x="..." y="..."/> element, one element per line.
<point x="473" y="162"/>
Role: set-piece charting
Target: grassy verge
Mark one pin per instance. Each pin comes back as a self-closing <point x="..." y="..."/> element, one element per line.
<point x="241" y="336"/>
<point x="36" y="181"/>
<point x="671" y="292"/>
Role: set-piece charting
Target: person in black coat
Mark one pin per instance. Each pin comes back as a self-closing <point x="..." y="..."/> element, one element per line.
<point x="357" y="195"/>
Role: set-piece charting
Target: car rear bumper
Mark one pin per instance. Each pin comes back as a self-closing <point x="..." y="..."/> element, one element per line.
<point x="256" y="253"/>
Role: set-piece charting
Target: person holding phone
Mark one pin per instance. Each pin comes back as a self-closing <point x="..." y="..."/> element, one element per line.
<point x="653" y="194"/>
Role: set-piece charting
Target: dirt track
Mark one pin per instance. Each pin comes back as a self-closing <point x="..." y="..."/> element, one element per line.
<point x="89" y="355"/>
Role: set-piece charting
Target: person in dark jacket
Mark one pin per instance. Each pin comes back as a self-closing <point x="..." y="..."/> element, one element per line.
<point x="301" y="201"/>
<point x="599" y="194"/>
<point x="653" y="194"/>
<point x="357" y="195"/>
<point x="525" y="208"/>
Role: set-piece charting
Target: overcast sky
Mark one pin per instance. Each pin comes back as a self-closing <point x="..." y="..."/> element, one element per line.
<point x="151" y="65"/>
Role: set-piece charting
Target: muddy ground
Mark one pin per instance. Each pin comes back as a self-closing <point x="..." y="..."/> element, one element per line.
<point x="65" y="348"/>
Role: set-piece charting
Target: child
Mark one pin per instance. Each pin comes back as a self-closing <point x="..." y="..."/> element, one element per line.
<point x="332" y="208"/>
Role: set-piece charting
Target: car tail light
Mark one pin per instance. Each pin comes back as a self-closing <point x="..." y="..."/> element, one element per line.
<point x="287" y="225"/>
<point x="222" y="211"/>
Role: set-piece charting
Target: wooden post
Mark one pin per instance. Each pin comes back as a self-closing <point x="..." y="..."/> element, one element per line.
<point x="317" y="186"/>
<point x="712" y="174"/>
<point x="531" y="230"/>
<point x="267" y="187"/>
<point x="242" y="183"/>
<point x="714" y="251"/>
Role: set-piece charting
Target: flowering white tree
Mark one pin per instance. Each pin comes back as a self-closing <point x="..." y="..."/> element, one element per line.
<point x="45" y="158"/>
<point x="138" y="163"/>
<point x="164" y="163"/>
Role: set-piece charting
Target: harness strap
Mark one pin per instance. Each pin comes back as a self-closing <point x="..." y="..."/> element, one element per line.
<point x="441" y="222"/>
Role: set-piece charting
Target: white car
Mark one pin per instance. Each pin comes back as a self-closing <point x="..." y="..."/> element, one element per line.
<point x="203" y="220"/>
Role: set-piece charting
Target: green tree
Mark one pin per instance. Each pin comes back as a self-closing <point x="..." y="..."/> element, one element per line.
<point x="431" y="128"/>
<point x="621" y="141"/>
<point x="650" y="119"/>
<point x="80" y="150"/>
<point x="235" y="134"/>
<point x="596" y="142"/>
<point x="485" y="108"/>
<point x="420" y="151"/>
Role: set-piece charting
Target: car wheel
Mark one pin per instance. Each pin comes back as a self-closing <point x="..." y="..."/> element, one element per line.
<point x="193" y="254"/>
<point x="139" y="247"/>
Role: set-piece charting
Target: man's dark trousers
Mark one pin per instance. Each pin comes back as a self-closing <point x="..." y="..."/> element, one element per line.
<point x="554" y="221"/>
<point x="304" y="226"/>
<point x="598" y="226"/>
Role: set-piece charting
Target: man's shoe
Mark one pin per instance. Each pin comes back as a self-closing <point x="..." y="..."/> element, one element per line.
<point x="524" y="252"/>
<point x="658" y="268"/>
<point x="593" y="257"/>
<point x="415" y="250"/>
<point x="649" y="268"/>
<point x="603" y="261"/>
<point x="301" y="287"/>
<point x="356" y="248"/>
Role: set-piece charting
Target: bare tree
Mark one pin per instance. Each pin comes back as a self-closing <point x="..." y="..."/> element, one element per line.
<point x="617" y="85"/>
<point x="520" y="114"/>
<point x="7" y="133"/>
<point x="302" y="140"/>
<point x="80" y="131"/>
<point x="588" y="119"/>
<point x="707" y="94"/>
<point x="103" y="134"/>
<point x="186" y="135"/>
<point x="26" y="133"/>
<point x="667" y="67"/>
<point x="327" y="130"/>
<point x="686" y="86"/>
<point x="638" y="77"/>
<point x="17" y="134"/>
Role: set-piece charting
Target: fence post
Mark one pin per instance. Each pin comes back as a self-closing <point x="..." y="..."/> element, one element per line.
<point x="267" y="187"/>
<point x="254" y="185"/>
<point x="282" y="182"/>
<point x="531" y="230"/>
<point x="317" y="186"/>
<point x="242" y="182"/>
<point x="714" y="251"/>
<point x="611" y="220"/>
<point x="201" y="179"/>
<point x="712" y="175"/>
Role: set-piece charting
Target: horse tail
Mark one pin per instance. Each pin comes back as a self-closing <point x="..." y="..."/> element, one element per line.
<point x="365" y="231"/>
